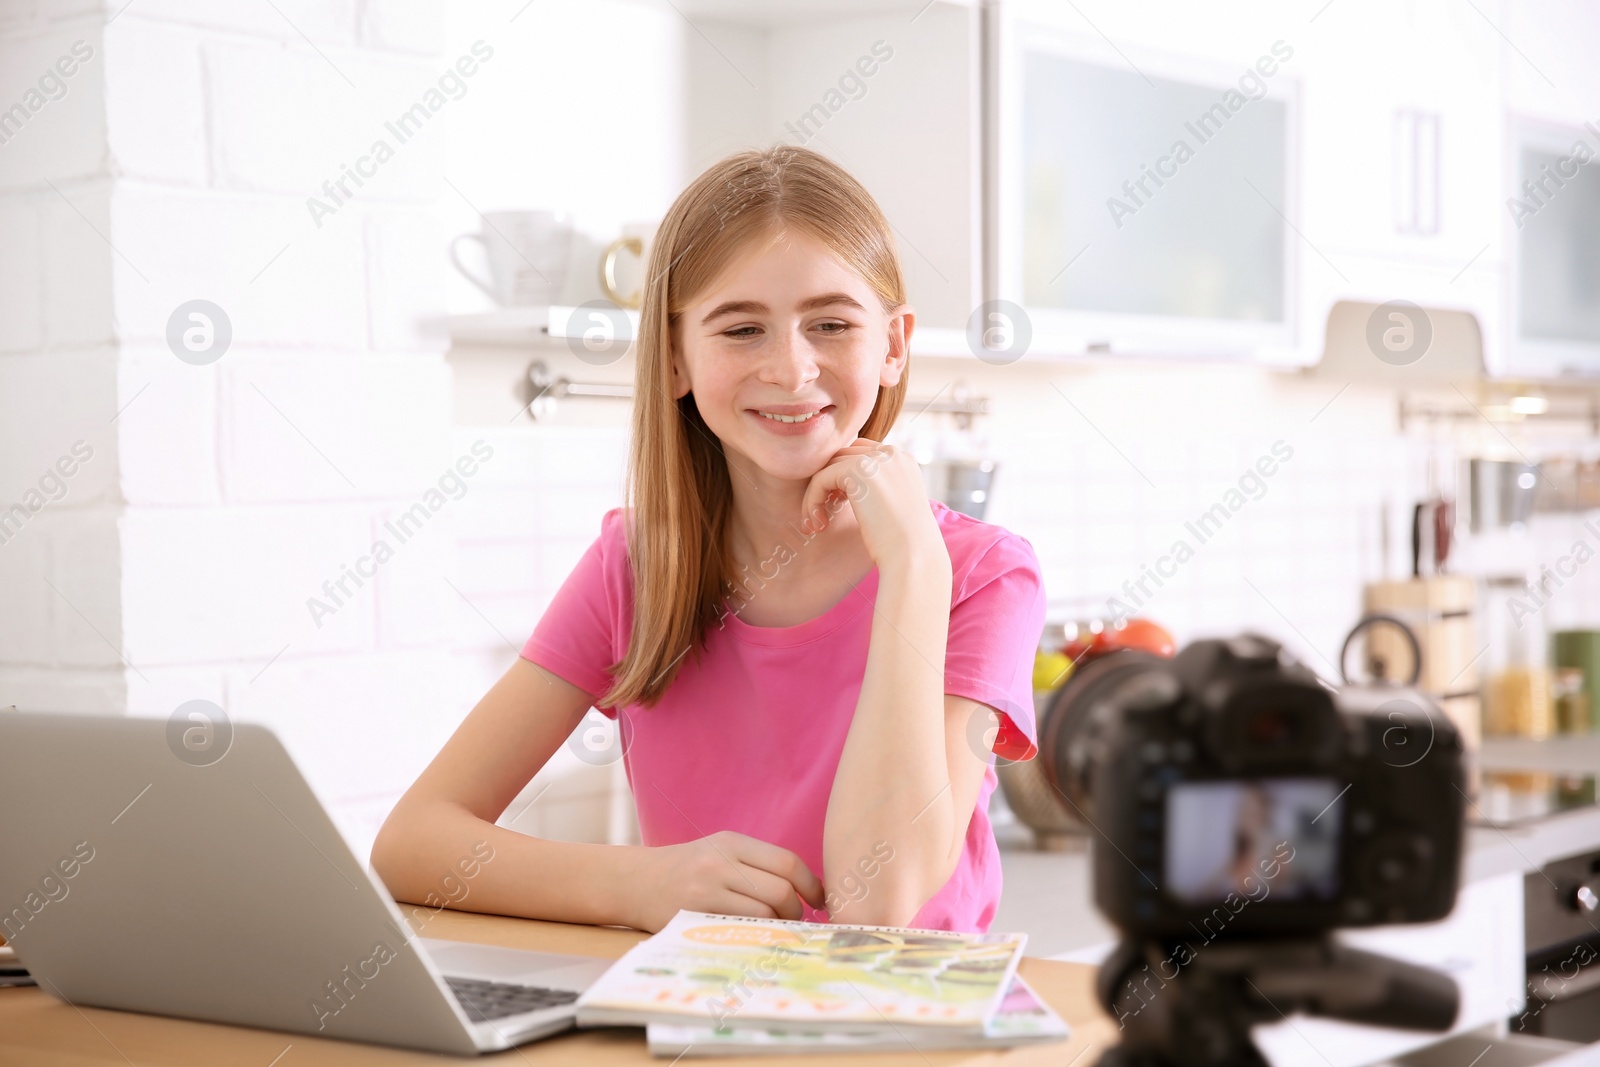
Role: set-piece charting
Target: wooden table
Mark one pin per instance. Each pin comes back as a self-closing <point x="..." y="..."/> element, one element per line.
<point x="37" y="1030"/>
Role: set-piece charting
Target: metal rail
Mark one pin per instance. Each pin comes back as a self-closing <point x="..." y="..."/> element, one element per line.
<point x="547" y="386"/>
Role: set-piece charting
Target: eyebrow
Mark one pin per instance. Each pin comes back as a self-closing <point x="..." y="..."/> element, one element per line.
<point x="755" y="307"/>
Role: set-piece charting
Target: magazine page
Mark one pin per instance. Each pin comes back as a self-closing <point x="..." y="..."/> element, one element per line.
<point x="735" y="971"/>
<point x="1021" y="1019"/>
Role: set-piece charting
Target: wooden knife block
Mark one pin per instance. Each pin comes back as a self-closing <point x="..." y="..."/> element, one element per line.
<point x="1442" y="612"/>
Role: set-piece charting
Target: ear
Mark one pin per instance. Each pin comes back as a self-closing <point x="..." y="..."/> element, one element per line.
<point x="895" y="360"/>
<point x="680" y="377"/>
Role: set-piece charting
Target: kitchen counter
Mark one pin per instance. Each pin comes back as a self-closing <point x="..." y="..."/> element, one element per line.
<point x="1528" y="846"/>
<point x="1494" y="851"/>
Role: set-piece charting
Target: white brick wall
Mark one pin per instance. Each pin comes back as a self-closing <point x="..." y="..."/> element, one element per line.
<point x="156" y="117"/>
<point x="289" y="121"/>
<point x="281" y="282"/>
<point x="79" y="264"/>
<point x="176" y="166"/>
<point x="21" y="270"/>
<point x="327" y="22"/>
<point x="60" y="135"/>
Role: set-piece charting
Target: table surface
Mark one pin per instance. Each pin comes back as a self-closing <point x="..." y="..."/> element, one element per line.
<point x="38" y="1030"/>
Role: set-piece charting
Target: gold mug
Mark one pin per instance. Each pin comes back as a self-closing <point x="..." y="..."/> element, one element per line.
<point x="608" y="271"/>
<point x="635" y="239"/>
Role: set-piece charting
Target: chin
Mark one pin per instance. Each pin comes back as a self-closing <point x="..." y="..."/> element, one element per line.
<point x="791" y="467"/>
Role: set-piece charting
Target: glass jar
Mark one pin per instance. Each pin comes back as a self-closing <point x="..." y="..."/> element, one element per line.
<point x="1517" y="698"/>
<point x="1571" y="701"/>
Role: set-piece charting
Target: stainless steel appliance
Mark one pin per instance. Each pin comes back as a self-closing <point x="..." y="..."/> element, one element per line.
<point x="1562" y="928"/>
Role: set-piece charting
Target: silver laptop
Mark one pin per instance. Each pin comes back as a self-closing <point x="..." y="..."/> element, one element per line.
<point x="133" y="877"/>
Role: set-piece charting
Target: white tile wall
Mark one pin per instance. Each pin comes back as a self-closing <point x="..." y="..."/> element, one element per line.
<point x="1073" y="480"/>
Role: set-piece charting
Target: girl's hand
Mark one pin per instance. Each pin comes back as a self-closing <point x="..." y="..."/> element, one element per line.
<point x="884" y="486"/>
<point x="726" y="873"/>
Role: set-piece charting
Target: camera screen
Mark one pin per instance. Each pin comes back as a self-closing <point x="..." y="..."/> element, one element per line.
<point x="1277" y="836"/>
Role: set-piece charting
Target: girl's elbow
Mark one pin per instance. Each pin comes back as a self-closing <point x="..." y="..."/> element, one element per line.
<point x="899" y="910"/>
<point x="894" y="904"/>
<point x="878" y="913"/>
<point x="388" y="852"/>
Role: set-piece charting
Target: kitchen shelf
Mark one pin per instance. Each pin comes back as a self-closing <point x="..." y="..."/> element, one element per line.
<point x="772" y="13"/>
<point x="560" y="325"/>
<point x="522" y="326"/>
<point x="1496" y="403"/>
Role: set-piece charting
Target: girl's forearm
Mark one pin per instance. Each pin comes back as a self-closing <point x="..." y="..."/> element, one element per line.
<point x="892" y="787"/>
<point x="441" y="855"/>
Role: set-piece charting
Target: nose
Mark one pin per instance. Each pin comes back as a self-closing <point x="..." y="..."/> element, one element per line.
<point x="789" y="361"/>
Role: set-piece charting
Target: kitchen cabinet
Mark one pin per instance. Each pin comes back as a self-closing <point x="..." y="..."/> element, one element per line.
<point x="1552" y="89"/>
<point x="1553" y="295"/>
<point x="1397" y="141"/>
<point x="1494" y="80"/>
<point x="1404" y="156"/>
<point x="1143" y="197"/>
<point x="1402" y="125"/>
<point x="890" y="90"/>
<point x="1404" y="135"/>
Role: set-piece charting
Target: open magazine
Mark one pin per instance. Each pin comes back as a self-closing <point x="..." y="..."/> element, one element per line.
<point x="733" y="971"/>
<point x="1021" y="1019"/>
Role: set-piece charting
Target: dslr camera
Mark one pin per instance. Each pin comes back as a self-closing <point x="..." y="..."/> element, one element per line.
<point x="1243" y="810"/>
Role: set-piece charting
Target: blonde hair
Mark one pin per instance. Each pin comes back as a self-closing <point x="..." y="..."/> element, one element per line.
<point x="679" y="495"/>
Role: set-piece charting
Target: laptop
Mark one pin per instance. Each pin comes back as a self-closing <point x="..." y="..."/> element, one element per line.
<point x="133" y="877"/>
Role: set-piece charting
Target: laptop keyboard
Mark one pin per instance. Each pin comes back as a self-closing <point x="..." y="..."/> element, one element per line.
<point x="496" y="1000"/>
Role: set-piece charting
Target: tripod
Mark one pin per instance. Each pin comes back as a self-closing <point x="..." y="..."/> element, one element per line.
<point x="1181" y="1005"/>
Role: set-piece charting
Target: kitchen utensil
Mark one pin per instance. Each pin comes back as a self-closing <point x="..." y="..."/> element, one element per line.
<point x="1028" y="792"/>
<point x="622" y="281"/>
<point x="963" y="485"/>
<point x="1500" y="493"/>
<point x="1431" y="524"/>
<point x="527" y="253"/>
<point x="1416" y="540"/>
<point x="1444" y="522"/>
<point x="1377" y="659"/>
<point x="1440" y="611"/>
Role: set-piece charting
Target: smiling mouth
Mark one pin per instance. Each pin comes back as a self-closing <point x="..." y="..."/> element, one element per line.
<point x="806" y="416"/>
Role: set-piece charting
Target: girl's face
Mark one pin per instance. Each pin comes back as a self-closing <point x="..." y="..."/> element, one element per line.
<point x="785" y="353"/>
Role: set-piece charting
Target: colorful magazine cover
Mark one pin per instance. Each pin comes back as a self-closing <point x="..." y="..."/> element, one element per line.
<point x="1021" y="1019"/>
<point x="733" y="971"/>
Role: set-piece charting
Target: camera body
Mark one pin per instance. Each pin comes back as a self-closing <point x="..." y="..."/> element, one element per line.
<point x="1236" y="794"/>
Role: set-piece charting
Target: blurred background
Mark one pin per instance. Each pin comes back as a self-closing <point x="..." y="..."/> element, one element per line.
<point x="314" y="325"/>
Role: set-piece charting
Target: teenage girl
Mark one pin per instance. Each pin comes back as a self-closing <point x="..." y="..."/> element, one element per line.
<point x="809" y="662"/>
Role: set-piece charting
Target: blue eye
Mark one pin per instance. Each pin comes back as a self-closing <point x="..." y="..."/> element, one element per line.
<point x="739" y="332"/>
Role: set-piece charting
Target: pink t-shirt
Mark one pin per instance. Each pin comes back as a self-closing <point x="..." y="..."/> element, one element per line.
<point x="748" y="736"/>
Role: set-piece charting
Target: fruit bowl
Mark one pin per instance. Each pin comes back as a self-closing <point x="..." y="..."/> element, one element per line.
<point x="1028" y="791"/>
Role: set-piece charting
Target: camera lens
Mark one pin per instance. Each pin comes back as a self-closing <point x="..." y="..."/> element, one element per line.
<point x="1076" y="727"/>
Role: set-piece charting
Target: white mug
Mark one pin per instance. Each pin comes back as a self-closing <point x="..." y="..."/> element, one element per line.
<point x="527" y="253"/>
